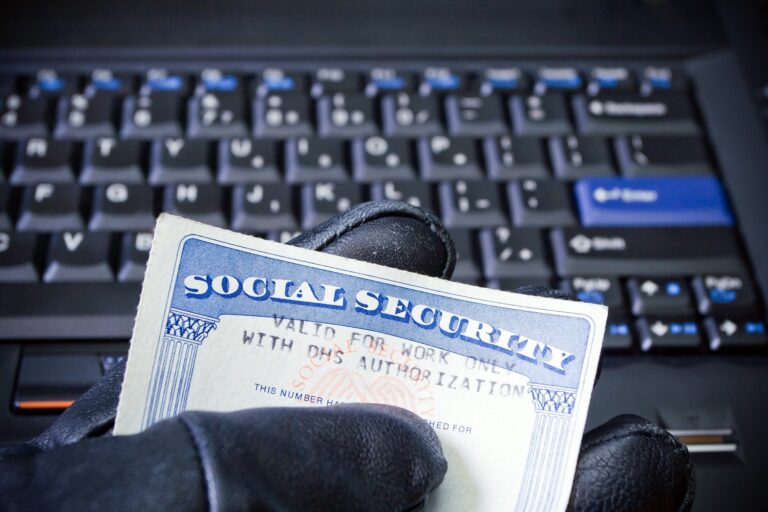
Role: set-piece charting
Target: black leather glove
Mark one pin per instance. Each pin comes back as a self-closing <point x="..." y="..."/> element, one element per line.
<point x="291" y="458"/>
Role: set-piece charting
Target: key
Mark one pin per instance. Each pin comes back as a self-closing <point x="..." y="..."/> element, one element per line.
<point x="121" y="207"/>
<point x="133" y="257"/>
<point x="619" y="113"/>
<point x="597" y="290"/>
<point x="43" y="160"/>
<point x="49" y="381"/>
<point x="334" y="80"/>
<point x="106" y="82"/>
<point x="515" y="283"/>
<point x="678" y="333"/>
<point x="467" y="270"/>
<point x="578" y="157"/>
<point x="388" y="79"/>
<point x="76" y="256"/>
<point x="153" y="114"/>
<point x="196" y="202"/>
<point x="564" y="78"/>
<point x="651" y="296"/>
<point x="540" y="115"/>
<point x="443" y="158"/>
<point x="474" y="115"/>
<point x="648" y="155"/>
<point x="321" y="201"/>
<point x="651" y="252"/>
<point x="440" y="79"/>
<point x="378" y="158"/>
<point x="510" y="158"/>
<point x="282" y="115"/>
<point x="158" y="80"/>
<point x="724" y="332"/>
<point x="261" y="208"/>
<point x="50" y="207"/>
<point x="610" y="79"/>
<point x="410" y="115"/>
<point x="683" y="201"/>
<point x="416" y="193"/>
<point x="277" y="80"/>
<point x="311" y="159"/>
<point x="471" y="204"/>
<point x="502" y="80"/>
<point x="179" y="160"/>
<point x="5" y="219"/>
<point x="720" y="294"/>
<point x="540" y="203"/>
<point x="17" y="257"/>
<point x="23" y="117"/>
<point x="109" y="160"/>
<point x="513" y="253"/>
<point x="659" y="78"/>
<point x="247" y="161"/>
<point x="346" y="115"/>
<point x="618" y="333"/>
<point x="49" y="83"/>
<point x="81" y="116"/>
<point x="217" y="108"/>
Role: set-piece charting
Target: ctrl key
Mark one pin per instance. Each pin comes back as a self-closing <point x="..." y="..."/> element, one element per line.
<point x="665" y="333"/>
<point x="49" y="383"/>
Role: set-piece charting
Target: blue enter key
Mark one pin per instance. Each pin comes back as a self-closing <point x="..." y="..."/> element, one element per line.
<point x="683" y="201"/>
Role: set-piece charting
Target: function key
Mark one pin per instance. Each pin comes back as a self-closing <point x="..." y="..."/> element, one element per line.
<point x="610" y="78"/>
<point x="561" y="78"/>
<point x="666" y="333"/>
<point x="215" y="80"/>
<point x="388" y="79"/>
<point x="724" y="293"/>
<point x="502" y="80"/>
<point x="540" y="115"/>
<point x="727" y="332"/>
<point x="279" y="80"/>
<point x="441" y="79"/>
<point x="106" y="81"/>
<point x="659" y="155"/>
<point x="660" y="296"/>
<point x="48" y="82"/>
<point x="661" y="78"/>
<point x="333" y="80"/>
<point x="162" y="80"/>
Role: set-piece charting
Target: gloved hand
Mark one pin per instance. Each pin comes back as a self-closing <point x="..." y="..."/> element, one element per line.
<point x="291" y="458"/>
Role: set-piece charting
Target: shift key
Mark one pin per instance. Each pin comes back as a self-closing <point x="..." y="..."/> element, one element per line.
<point x="651" y="252"/>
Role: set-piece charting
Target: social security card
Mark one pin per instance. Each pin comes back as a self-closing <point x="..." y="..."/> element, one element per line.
<point x="227" y="322"/>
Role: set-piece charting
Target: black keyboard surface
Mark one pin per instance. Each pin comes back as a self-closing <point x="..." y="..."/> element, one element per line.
<point x="600" y="179"/>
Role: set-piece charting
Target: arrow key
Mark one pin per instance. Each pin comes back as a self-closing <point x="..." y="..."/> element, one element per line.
<point x="725" y="332"/>
<point x="659" y="296"/>
<point x="678" y="333"/>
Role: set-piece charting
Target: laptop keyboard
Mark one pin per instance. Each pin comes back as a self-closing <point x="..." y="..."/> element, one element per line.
<point x="597" y="180"/>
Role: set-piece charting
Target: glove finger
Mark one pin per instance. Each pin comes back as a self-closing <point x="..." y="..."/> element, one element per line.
<point x="349" y="457"/>
<point x="631" y="464"/>
<point x="394" y="234"/>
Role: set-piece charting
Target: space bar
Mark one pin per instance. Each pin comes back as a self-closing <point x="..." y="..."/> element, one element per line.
<point x="651" y="252"/>
<point x="68" y="311"/>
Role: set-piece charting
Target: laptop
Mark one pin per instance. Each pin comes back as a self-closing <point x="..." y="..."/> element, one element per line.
<point x="612" y="149"/>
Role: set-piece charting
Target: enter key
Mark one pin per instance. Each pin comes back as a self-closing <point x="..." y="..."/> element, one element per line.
<point x="663" y="201"/>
